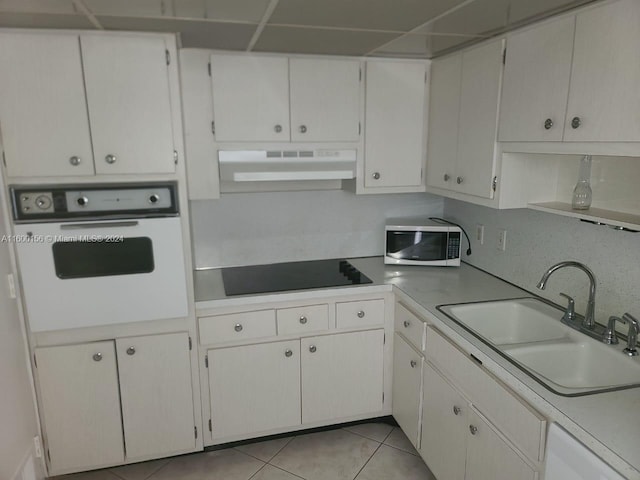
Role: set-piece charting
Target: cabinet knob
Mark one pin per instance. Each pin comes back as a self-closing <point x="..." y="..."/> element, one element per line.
<point x="97" y="357"/>
<point x="303" y="319"/>
<point x="459" y="180"/>
<point x="238" y="327"/>
<point x="446" y="177"/>
<point x="406" y="323"/>
<point x="288" y="352"/>
<point x="131" y="351"/>
<point x="413" y="363"/>
<point x="473" y="429"/>
<point x="548" y="123"/>
<point x="376" y="175"/>
<point x="303" y="129"/>
<point x="312" y="349"/>
<point x="456" y="410"/>
<point x="277" y="128"/>
<point x="360" y="314"/>
<point x="75" y="161"/>
<point x="110" y="159"/>
<point x="576" y="122"/>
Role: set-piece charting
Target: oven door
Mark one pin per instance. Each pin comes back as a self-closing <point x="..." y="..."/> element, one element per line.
<point x="82" y="274"/>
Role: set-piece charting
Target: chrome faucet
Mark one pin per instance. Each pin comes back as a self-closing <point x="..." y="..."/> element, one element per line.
<point x="589" y="317"/>
<point x="609" y="335"/>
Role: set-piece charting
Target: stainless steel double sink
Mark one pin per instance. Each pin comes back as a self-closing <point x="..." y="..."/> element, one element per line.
<point x="528" y="333"/>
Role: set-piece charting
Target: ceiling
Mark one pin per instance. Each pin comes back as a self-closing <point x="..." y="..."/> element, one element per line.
<point x="397" y="28"/>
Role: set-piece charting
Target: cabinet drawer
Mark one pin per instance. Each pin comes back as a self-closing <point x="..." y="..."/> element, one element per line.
<point x="360" y="313"/>
<point x="236" y="327"/>
<point x="410" y="326"/>
<point x="310" y="318"/>
<point x="512" y="416"/>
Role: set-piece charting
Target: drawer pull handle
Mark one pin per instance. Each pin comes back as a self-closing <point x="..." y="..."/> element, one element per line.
<point x="303" y="319"/>
<point x="97" y="357"/>
<point x="473" y="429"/>
<point x="360" y="314"/>
<point x="456" y="410"/>
<point x="406" y="323"/>
<point x="288" y="352"/>
<point x="312" y="349"/>
<point x="238" y="327"/>
<point x="413" y="363"/>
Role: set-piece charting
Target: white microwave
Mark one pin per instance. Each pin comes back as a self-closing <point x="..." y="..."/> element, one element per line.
<point x="419" y="241"/>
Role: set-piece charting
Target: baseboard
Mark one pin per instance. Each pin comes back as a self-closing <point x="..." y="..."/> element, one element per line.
<point x="31" y="467"/>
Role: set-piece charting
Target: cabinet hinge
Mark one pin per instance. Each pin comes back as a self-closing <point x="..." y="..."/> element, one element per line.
<point x="494" y="183"/>
<point x="175" y="157"/>
<point x="210" y="426"/>
<point x="190" y="344"/>
<point x="382" y="397"/>
<point x="206" y="361"/>
<point x="213" y="127"/>
<point x="167" y="56"/>
<point x="359" y="128"/>
<point x="35" y="362"/>
<point x="4" y="159"/>
<point x="209" y="68"/>
<point x="360" y="75"/>
<point x="384" y="338"/>
<point x="195" y="431"/>
<point x="49" y="455"/>
<point x="504" y="56"/>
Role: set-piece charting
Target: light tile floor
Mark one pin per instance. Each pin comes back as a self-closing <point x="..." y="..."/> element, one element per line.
<point x="369" y="451"/>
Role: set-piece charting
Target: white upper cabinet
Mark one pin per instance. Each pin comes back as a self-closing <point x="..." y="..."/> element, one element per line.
<point x="128" y="95"/>
<point x="536" y="82"/>
<point x="463" y="116"/>
<point x="67" y="98"/>
<point x="43" y="112"/>
<point x="250" y="98"/>
<point x="604" y="99"/>
<point x="280" y="99"/>
<point x="394" y="124"/>
<point x="325" y="100"/>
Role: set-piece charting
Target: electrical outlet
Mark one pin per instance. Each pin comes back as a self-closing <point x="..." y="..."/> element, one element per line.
<point x="502" y="240"/>
<point x="480" y="234"/>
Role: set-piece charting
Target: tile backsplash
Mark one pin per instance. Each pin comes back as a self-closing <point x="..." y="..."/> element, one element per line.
<point x="537" y="240"/>
<point x="257" y="228"/>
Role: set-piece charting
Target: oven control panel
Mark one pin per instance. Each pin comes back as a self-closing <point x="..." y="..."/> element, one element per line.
<point x="31" y="203"/>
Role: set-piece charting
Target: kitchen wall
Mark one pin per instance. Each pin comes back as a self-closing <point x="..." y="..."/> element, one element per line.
<point x="537" y="240"/>
<point x="17" y="414"/>
<point x="255" y="228"/>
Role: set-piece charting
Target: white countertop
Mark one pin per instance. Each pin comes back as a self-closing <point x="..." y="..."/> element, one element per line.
<point x="608" y="423"/>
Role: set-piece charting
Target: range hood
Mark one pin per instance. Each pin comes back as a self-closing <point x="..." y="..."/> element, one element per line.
<point x="269" y="166"/>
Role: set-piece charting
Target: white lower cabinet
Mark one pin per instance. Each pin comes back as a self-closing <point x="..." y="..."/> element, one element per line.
<point x="407" y="388"/>
<point x="254" y="388"/>
<point x="342" y="375"/>
<point x="89" y="392"/>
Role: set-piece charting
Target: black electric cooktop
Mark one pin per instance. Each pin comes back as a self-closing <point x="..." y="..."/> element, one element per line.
<point x="279" y="277"/>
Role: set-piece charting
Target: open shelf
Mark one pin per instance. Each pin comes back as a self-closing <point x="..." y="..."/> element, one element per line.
<point x="597" y="215"/>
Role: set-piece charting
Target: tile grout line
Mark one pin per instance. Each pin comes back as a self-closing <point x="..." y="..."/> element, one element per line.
<point x="368" y="460"/>
<point x="272" y="457"/>
<point x="286" y="471"/>
<point x="368" y="438"/>
<point x="258" y="471"/>
<point x="163" y="466"/>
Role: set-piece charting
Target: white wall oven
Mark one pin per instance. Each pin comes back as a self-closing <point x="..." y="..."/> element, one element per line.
<point x="99" y="254"/>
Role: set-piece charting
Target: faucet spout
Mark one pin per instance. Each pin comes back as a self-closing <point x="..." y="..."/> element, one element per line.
<point x="589" y="317"/>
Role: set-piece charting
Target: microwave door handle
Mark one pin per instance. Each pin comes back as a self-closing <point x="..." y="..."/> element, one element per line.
<point x="77" y="226"/>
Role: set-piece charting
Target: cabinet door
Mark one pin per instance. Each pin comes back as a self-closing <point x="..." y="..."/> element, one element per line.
<point x="43" y="112"/>
<point x="444" y="110"/>
<point x="394" y="124"/>
<point x="489" y="457"/>
<point x="80" y="405"/>
<point x="325" y="100"/>
<point x="254" y="388"/>
<point x="250" y="98"/>
<point x="479" y="99"/>
<point x="536" y="82"/>
<point x="605" y="75"/>
<point x="157" y="396"/>
<point x="127" y="83"/>
<point x="444" y="427"/>
<point x="407" y="388"/>
<point x="342" y="375"/>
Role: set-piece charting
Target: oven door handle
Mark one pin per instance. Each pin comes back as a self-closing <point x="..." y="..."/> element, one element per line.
<point x="76" y="226"/>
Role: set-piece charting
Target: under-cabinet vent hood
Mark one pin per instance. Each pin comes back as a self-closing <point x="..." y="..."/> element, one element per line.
<point x="269" y="166"/>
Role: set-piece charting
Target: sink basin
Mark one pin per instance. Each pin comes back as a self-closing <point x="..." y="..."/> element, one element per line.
<point x="579" y="365"/>
<point x="528" y="333"/>
<point x="507" y="322"/>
